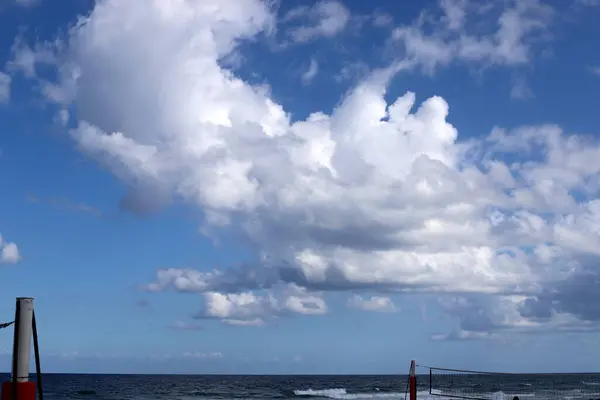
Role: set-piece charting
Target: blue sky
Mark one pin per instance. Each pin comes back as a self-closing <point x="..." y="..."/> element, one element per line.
<point x="305" y="187"/>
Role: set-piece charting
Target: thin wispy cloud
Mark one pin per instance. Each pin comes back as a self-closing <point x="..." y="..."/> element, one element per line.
<point x="66" y="204"/>
<point x="311" y="72"/>
<point x="594" y="70"/>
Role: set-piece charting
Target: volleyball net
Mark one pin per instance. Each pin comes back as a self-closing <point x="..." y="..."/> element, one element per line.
<point x="478" y="385"/>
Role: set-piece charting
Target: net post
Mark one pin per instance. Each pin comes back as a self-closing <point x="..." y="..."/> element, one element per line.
<point x="430" y="380"/>
<point x="412" y="381"/>
<point x="19" y="387"/>
<point x="23" y="320"/>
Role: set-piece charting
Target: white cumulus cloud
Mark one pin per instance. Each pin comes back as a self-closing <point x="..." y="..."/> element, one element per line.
<point x="9" y="252"/>
<point x="248" y="308"/>
<point x="377" y="195"/>
<point x="373" y="303"/>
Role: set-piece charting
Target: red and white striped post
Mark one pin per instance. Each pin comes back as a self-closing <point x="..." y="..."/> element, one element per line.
<point x="412" y="381"/>
<point x="20" y="387"/>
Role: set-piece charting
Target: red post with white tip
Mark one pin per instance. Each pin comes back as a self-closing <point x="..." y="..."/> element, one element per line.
<point x="412" y="381"/>
<point x="20" y="387"/>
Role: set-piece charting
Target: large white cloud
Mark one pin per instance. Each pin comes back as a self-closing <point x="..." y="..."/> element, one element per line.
<point x="247" y="308"/>
<point x="376" y="195"/>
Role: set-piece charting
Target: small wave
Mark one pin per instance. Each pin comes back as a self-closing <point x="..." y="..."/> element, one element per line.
<point x="591" y="383"/>
<point x="342" y="394"/>
<point x="198" y="393"/>
<point x="331" y="393"/>
<point x="497" y="395"/>
<point x="500" y="395"/>
<point x="86" y="392"/>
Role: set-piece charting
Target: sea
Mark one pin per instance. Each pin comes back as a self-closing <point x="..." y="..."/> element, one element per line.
<point x="197" y="387"/>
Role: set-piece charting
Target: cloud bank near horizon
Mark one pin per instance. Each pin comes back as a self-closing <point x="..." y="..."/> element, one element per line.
<point x="377" y="196"/>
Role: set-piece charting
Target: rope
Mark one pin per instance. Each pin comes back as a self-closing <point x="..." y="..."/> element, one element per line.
<point x="469" y="371"/>
<point x="6" y="324"/>
<point x="36" y="349"/>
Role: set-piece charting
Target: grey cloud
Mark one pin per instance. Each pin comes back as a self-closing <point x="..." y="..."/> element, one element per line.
<point x="578" y="294"/>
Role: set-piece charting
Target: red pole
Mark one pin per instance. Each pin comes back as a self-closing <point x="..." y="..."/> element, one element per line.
<point x="412" y="381"/>
<point x="23" y="390"/>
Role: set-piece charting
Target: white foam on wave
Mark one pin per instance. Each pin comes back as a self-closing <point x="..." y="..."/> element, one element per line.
<point x="342" y="394"/>
<point x="439" y="395"/>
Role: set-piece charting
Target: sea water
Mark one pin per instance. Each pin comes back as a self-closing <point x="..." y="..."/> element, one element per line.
<point x="186" y="387"/>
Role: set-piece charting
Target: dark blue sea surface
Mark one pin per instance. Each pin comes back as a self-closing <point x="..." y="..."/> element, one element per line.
<point x="197" y="387"/>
